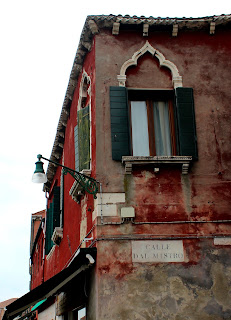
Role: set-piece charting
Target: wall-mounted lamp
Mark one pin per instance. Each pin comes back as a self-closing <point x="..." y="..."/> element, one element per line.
<point x="89" y="184"/>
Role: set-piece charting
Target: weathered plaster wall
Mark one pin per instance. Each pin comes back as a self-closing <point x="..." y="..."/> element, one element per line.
<point x="48" y="313"/>
<point x="37" y="263"/>
<point x="198" y="289"/>
<point x="203" y="62"/>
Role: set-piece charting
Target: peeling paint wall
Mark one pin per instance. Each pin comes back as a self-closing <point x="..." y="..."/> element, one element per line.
<point x="194" y="290"/>
<point x="166" y="201"/>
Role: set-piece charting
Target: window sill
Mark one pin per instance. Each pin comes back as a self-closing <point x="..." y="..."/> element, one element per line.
<point x="130" y="161"/>
<point x="57" y="235"/>
<point x="77" y="190"/>
<point x="50" y="253"/>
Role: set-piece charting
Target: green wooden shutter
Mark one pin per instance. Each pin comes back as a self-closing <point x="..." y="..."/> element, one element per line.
<point x="76" y="138"/>
<point x="61" y="199"/>
<point x="53" y="219"/>
<point x="56" y="208"/>
<point x="84" y="138"/>
<point x="120" y="138"/>
<point x="49" y="228"/>
<point x="187" y="139"/>
<point x="47" y="223"/>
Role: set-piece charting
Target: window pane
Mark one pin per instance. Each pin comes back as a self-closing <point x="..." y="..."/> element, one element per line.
<point x="162" y="129"/>
<point x="84" y="138"/>
<point x="140" y="141"/>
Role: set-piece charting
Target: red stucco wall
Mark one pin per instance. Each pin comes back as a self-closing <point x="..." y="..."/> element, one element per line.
<point x="203" y="62"/>
<point x="160" y="199"/>
<point x="37" y="262"/>
<point x="123" y="289"/>
<point x="73" y="212"/>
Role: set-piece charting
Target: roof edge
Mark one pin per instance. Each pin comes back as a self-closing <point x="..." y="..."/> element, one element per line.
<point x="92" y="26"/>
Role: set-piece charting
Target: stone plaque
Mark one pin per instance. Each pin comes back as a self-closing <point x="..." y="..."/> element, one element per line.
<point x="222" y="241"/>
<point x="157" y="251"/>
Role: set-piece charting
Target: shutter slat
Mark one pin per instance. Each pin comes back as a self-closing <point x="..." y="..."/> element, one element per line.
<point x="187" y="139"/>
<point x="76" y="138"/>
<point x="119" y="123"/>
<point x="53" y="218"/>
<point x="61" y="199"/>
<point x="56" y="207"/>
<point x="49" y="228"/>
<point x="84" y="138"/>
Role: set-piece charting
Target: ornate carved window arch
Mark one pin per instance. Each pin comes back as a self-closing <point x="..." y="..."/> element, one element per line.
<point x="176" y="78"/>
<point x="84" y="90"/>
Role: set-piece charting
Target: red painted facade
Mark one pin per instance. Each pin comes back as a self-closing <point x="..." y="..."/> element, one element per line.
<point x="192" y="208"/>
<point x="72" y="211"/>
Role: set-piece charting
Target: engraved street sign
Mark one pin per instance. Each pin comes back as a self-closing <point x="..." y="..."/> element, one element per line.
<point x="157" y="251"/>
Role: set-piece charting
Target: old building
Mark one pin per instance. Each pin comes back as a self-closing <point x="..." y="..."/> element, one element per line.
<point x="37" y="247"/>
<point x="4" y="304"/>
<point x="147" y="115"/>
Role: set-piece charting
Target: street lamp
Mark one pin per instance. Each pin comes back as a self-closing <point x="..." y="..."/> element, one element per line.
<point x="39" y="175"/>
<point x="89" y="184"/>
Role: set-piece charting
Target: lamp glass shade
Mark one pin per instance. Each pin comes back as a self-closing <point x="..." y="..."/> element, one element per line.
<point x="39" y="177"/>
<point x="39" y="174"/>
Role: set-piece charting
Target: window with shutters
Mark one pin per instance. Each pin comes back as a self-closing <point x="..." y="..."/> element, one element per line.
<point x="52" y="219"/>
<point x="82" y="134"/>
<point x="149" y="126"/>
<point x="82" y="140"/>
<point x="151" y="118"/>
<point x="82" y="129"/>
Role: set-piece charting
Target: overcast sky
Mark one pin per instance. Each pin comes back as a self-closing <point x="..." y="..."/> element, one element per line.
<point x="38" y="41"/>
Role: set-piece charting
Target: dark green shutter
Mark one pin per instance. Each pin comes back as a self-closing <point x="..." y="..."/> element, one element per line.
<point x="56" y="208"/>
<point x="187" y="139"/>
<point x="61" y="199"/>
<point x="84" y="138"/>
<point x="119" y="123"/>
<point x="53" y="219"/>
<point x="46" y="240"/>
<point x="49" y="226"/>
<point x="76" y="138"/>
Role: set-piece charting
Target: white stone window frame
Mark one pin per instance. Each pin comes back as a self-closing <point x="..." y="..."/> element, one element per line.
<point x="76" y="190"/>
<point x="176" y="78"/>
<point x="79" y="106"/>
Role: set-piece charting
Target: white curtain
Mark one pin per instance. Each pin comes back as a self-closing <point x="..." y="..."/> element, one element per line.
<point x="140" y="139"/>
<point x="162" y="129"/>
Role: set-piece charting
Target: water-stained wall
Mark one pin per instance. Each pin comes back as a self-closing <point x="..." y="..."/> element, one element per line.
<point x="197" y="289"/>
<point x="192" y="208"/>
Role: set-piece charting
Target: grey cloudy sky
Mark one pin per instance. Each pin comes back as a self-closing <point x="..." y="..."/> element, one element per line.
<point x="38" y="41"/>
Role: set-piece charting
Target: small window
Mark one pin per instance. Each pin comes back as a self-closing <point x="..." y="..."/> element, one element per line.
<point x="82" y="130"/>
<point x="52" y="218"/>
<point x="82" y="140"/>
<point x="152" y="123"/>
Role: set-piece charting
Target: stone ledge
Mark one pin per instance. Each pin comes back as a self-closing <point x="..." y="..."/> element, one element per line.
<point x="57" y="235"/>
<point x="77" y="190"/>
<point x="157" y="161"/>
<point x="50" y="253"/>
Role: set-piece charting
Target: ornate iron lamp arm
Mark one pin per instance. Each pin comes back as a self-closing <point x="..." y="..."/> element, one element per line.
<point x="89" y="184"/>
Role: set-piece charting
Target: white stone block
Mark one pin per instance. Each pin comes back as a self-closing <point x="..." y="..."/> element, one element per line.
<point x="109" y="201"/>
<point x="110" y="198"/>
<point x="127" y="212"/>
<point x="222" y="241"/>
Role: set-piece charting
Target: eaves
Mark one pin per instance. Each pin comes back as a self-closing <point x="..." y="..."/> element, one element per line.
<point x="92" y="26"/>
